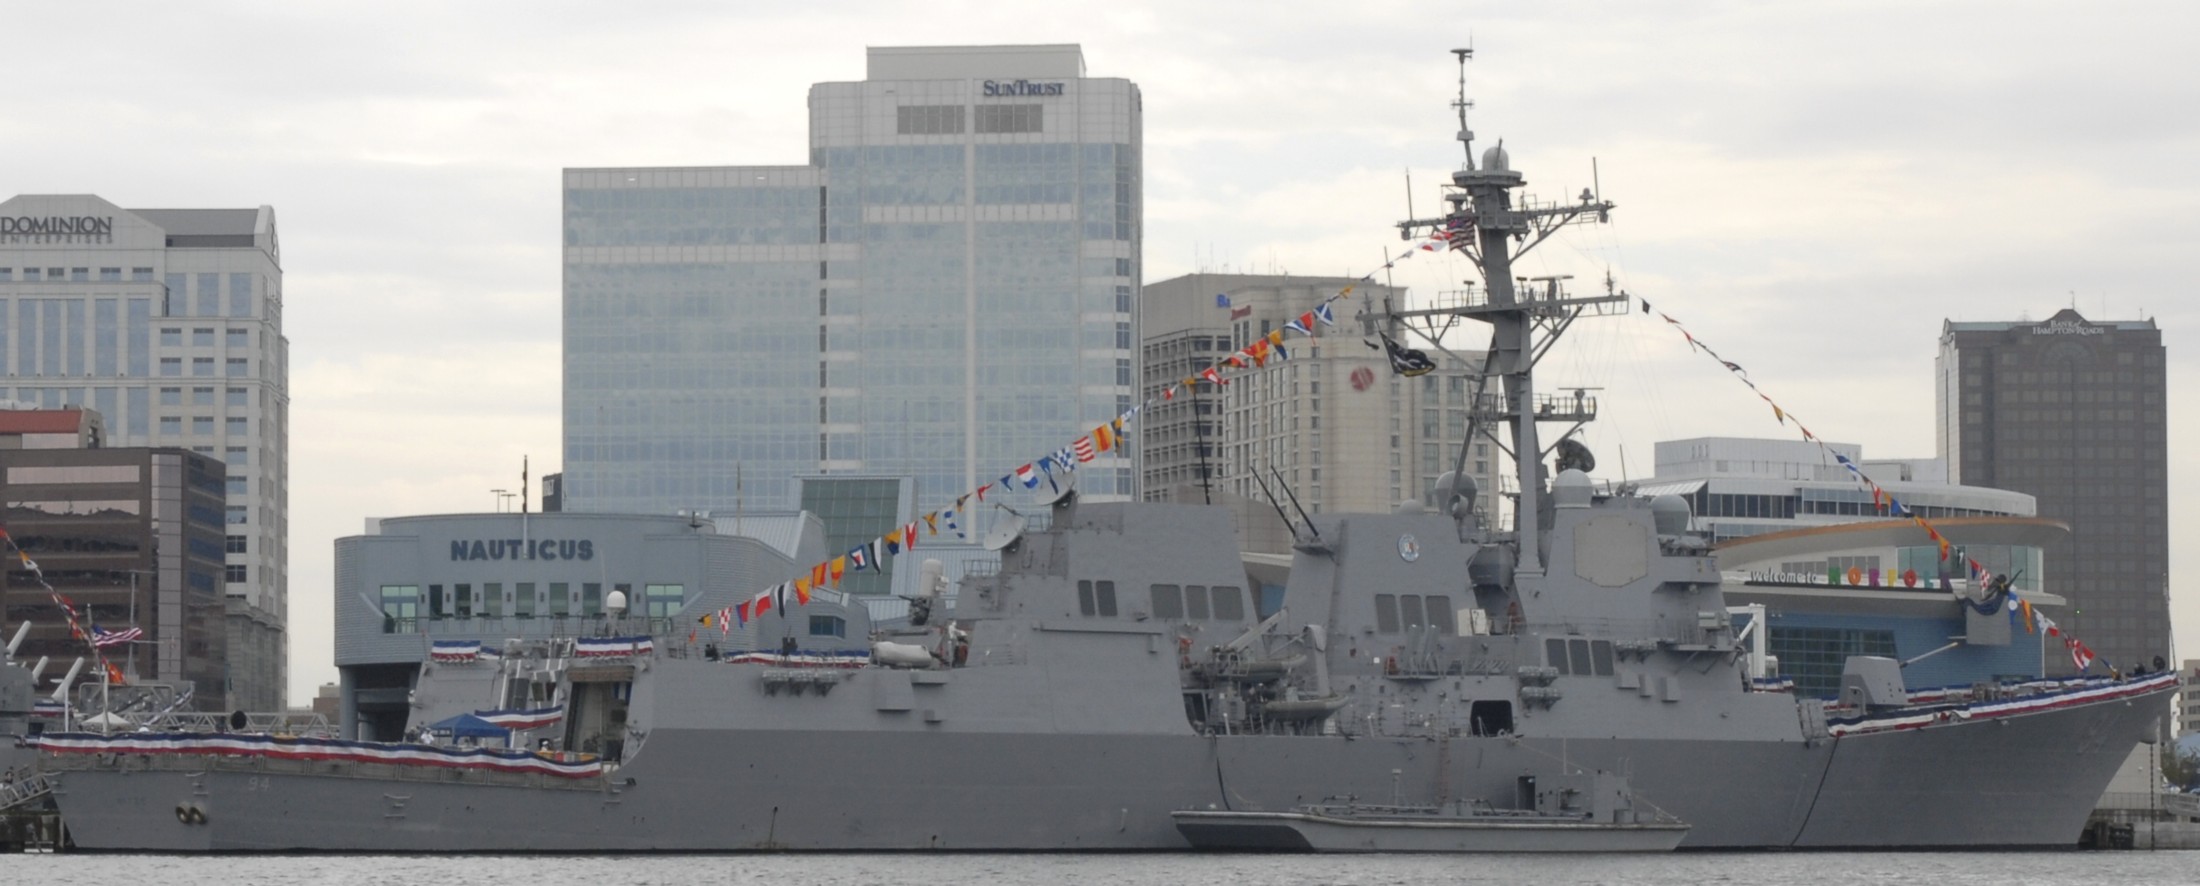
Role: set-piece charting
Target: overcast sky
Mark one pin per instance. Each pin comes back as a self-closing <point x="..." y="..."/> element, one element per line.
<point x="1814" y="191"/>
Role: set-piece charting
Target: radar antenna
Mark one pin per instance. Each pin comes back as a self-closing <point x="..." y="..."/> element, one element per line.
<point x="1466" y="136"/>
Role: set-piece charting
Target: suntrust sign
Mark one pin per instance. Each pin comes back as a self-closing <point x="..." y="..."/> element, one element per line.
<point x="57" y="228"/>
<point x="1020" y="87"/>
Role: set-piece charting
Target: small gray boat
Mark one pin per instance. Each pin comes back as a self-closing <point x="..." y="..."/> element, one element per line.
<point x="1582" y="813"/>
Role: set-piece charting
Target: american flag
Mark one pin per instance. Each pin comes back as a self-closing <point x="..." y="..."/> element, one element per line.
<point x="103" y="638"/>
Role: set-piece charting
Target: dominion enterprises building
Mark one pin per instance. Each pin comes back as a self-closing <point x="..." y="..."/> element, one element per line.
<point x="2072" y="412"/>
<point x="944" y="292"/>
<point x="168" y="323"/>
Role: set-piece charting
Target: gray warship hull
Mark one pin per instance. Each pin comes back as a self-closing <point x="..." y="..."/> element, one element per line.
<point x="1110" y="673"/>
<point x="1311" y="832"/>
<point x="2021" y="781"/>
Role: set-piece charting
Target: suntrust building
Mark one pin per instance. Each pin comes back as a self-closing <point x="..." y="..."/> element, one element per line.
<point x="944" y="291"/>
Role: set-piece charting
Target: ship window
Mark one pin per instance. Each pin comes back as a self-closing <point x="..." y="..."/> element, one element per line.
<point x="828" y="626"/>
<point x="1229" y="604"/>
<point x="1084" y="598"/>
<point x="1168" y="601"/>
<point x="462" y="601"/>
<point x="1386" y="613"/>
<point x="1600" y="654"/>
<point x="1104" y="594"/>
<point x="1578" y="654"/>
<point x="1409" y="609"/>
<point x="1491" y="717"/>
<point x="1195" y="602"/>
<point x="1439" y="614"/>
<point x="1554" y="654"/>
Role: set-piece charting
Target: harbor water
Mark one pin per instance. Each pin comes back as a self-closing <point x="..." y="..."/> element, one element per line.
<point x="1686" y="869"/>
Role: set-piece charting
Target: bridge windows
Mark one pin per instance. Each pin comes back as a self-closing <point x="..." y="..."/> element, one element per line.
<point x="1198" y="602"/>
<point x="1096" y="598"/>
<point x="1578" y="656"/>
<point x="1396" y="612"/>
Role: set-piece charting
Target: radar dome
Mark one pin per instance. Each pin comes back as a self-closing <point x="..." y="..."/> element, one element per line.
<point x="1672" y="514"/>
<point x="1571" y="489"/>
<point x="1496" y="160"/>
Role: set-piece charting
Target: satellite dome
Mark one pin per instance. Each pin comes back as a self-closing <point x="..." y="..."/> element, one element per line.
<point x="615" y="602"/>
<point x="1571" y="489"/>
<point x="1672" y="514"/>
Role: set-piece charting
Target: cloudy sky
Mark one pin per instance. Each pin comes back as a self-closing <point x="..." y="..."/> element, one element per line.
<point x="1813" y="190"/>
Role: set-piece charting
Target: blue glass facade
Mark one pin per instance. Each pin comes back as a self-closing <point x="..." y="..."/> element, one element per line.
<point x="941" y="294"/>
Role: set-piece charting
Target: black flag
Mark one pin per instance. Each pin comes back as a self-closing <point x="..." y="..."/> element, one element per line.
<point x="1404" y="360"/>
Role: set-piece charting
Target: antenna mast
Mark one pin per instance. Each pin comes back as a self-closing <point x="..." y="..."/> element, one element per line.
<point x="1484" y="220"/>
<point x="1466" y="136"/>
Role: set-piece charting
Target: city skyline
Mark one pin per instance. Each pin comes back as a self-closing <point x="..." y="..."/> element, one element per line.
<point x="1813" y="191"/>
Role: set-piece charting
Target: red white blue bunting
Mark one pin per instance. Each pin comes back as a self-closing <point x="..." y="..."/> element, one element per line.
<point x="1885" y="501"/>
<point x="301" y="748"/>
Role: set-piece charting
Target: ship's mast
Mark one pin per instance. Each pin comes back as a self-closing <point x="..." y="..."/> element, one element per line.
<point x="1482" y="206"/>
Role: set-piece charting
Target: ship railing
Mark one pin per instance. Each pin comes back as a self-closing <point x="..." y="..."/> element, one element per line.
<point x="306" y="723"/>
<point x="23" y="790"/>
<point x="1614" y="628"/>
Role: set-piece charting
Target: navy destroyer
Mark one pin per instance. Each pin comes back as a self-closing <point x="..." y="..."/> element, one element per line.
<point x="1112" y="672"/>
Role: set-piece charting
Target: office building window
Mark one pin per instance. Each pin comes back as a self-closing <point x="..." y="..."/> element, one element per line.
<point x="171" y="366"/>
<point x="928" y="120"/>
<point x="235" y="573"/>
<point x="236" y="397"/>
<point x="202" y="366"/>
<point x="238" y="514"/>
<point x="664" y="600"/>
<point x="1011" y="118"/>
<point x="236" y="455"/>
<point x="171" y="396"/>
<point x="202" y="338"/>
<point x="202" y="425"/>
<point x="171" y="336"/>
<point x="239" y="367"/>
<point x="235" y="544"/>
<point x="202" y="396"/>
<point x="171" y="425"/>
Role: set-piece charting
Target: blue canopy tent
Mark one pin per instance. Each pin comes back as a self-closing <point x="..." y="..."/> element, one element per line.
<point x="467" y="726"/>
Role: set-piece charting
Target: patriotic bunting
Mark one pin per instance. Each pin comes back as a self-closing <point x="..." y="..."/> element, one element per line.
<point x="1885" y="502"/>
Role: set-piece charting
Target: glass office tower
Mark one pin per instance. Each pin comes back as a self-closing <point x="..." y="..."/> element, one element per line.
<point x="944" y="293"/>
<point x="169" y="324"/>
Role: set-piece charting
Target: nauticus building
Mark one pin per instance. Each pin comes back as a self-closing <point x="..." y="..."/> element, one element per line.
<point x="944" y="291"/>
<point x="168" y="322"/>
<point x="407" y="582"/>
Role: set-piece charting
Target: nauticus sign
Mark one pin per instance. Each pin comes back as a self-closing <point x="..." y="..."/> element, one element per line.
<point x="1021" y="87"/>
<point x="57" y="229"/>
<point x="523" y="549"/>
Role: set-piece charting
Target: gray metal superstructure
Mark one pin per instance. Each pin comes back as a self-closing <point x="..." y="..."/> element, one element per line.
<point x="1114" y="671"/>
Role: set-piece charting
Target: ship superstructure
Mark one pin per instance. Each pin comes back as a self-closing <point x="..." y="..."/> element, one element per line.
<point x="1118" y="667"/>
